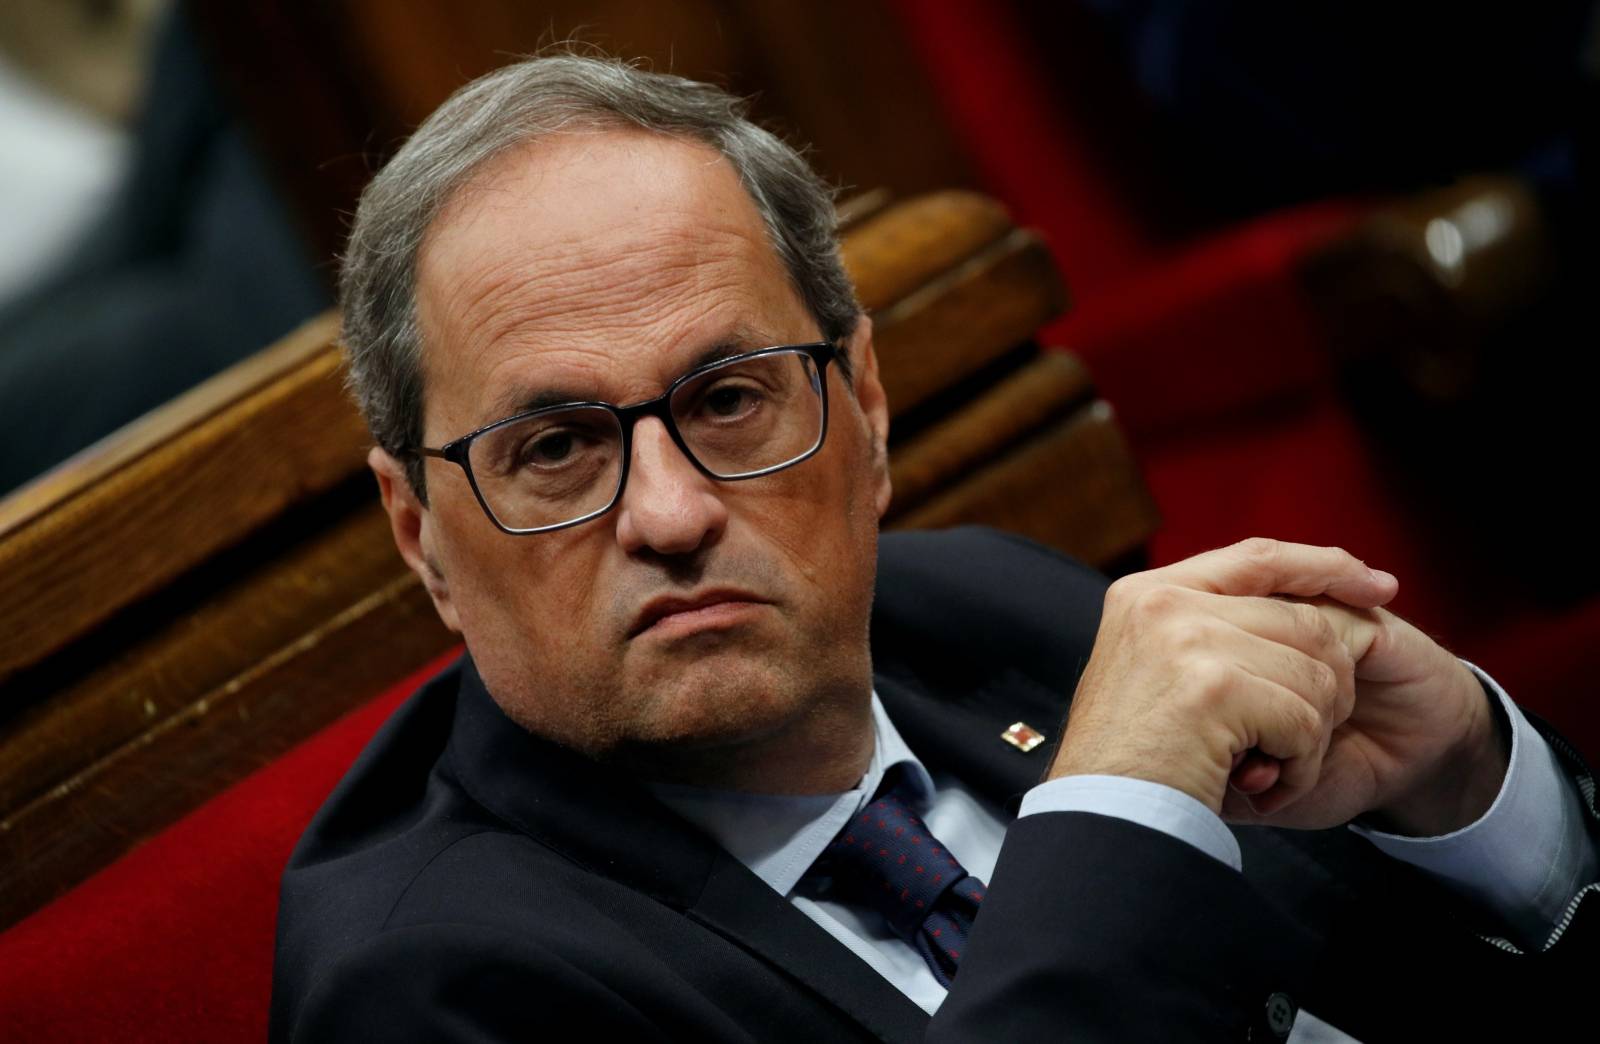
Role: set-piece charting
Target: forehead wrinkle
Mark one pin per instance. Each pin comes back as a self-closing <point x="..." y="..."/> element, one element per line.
<point x="531" y="311"/>
<point x="517" y="208"/>
<point x="658" y="273"/>
<point x="576" y="347"/>
<point x="514" y="290"/>
<point x="651" y="274"/>
<point x="587" y="371"/>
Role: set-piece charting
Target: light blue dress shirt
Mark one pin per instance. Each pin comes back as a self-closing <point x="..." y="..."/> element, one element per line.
<point x="1525" y="858"/>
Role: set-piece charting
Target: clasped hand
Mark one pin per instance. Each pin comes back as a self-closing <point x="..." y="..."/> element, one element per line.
<point x="1266" y="680"/>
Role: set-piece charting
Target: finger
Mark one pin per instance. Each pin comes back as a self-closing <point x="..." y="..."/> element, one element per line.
<point x="1324" y="677"/>
<point x="1329" y="690"/>
<point x="1295" y="738"/>
<point x="1300" y="701"/>
<point x="1357" y="629"/>
<point x="1321" y="627"/>
<point x="1305" y="647"/>
<point x="1278" y="724"/>
<point x="1254" y="772"/>
<point x="1264" y="567"/>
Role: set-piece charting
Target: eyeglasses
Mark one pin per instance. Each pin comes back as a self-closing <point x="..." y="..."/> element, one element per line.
<point x="737" y="418"/>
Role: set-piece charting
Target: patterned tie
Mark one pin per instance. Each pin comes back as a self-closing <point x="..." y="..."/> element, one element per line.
<point x="885" y="858"/>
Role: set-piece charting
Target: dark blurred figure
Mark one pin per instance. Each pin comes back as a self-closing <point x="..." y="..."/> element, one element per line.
<point x="1262" y="104"/>
<point x="195" y="265"/>
<point x="1472" y="371"/>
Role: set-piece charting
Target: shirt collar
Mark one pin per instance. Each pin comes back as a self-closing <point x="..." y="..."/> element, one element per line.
<point x="779" y="836"/>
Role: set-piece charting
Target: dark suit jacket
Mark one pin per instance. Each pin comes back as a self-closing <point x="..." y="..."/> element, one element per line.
<point x="469" y="881"/>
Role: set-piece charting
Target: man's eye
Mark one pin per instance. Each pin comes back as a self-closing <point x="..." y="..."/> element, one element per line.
<point x="730" y="400"/>
<point x="547" y="450"/>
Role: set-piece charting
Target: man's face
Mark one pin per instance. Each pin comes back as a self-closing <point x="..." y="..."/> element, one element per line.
<point x="601" y="266"/>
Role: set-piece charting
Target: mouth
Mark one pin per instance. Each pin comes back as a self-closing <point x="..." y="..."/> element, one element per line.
<point x="716" y="609"/>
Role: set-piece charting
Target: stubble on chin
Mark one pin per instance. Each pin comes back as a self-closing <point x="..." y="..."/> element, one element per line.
<point x="663" y="709"/>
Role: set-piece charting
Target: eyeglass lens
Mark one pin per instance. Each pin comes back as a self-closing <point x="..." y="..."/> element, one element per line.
<point x="738" y="419"/>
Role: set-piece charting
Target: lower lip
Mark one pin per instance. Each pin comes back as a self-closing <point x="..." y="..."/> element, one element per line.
<point x="719" y="616"/>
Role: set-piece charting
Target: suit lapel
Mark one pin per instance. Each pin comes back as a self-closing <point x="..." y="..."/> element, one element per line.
<point x="596" y="818"/>
<point x="963" y="736"/>
<point x="739" y="906"/>
<point x="614" y="828"/>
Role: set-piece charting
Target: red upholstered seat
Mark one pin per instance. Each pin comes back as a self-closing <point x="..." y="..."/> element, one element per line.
<point x="173" y="942"/>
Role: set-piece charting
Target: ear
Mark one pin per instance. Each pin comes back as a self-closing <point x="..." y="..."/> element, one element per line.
<point x="874" y="405"/>
<point x="412" y="524"/>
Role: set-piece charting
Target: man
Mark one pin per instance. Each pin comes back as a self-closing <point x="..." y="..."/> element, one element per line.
<point x="640" y="805"/>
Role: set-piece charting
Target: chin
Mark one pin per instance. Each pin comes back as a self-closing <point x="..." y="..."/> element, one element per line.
<point x="719" y="700"/>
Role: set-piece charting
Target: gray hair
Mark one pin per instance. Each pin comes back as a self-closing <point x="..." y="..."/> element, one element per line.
<point x="518" y="104"/>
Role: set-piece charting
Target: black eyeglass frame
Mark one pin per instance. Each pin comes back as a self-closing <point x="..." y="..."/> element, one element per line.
<point x="457" y="451"/>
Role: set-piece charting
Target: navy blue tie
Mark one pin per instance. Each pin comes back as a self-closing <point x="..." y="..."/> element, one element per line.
<point x="886" y="858"/>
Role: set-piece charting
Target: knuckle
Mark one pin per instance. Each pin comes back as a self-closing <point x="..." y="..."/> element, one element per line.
<point x="1305" y="725"/>
<point x="1340" y="657"/>
<point x="1124" y="590"/>
<point x="1188" y="636"/>
<point x="1324" y="681"/>
<point x="1332" y="644"/>
<point x="1208" y="679"/>
<point x="1154" y="602"/>
<point x="1259" y="558"/>
<point x="1257" y="547"/>
<point x="1321" y="634"/>
<point x="1310" y="619"/>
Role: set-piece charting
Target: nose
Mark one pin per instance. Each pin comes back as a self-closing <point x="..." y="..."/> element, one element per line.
<point x="668" y="506"/>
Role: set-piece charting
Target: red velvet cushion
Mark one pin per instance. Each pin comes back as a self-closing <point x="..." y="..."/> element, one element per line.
<point x="1298" y="470"/>
<point x="1029" y="152"/>
<point x="173" y="942"/>
<point x="1211" y="330"/>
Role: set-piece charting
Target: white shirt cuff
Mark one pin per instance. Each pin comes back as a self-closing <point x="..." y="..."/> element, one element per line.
<point x="1140" y="801"/>
<point x="1529" y="854"/>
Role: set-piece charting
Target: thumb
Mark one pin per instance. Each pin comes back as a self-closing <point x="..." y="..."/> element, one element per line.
<point x="1259" y="567"/>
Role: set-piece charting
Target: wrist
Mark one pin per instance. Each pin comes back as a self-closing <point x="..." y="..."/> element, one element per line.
<point x="1465" y="781"/>
<point x="1187" y="769"/>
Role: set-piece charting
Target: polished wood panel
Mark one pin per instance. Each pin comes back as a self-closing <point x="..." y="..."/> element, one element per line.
<point x="140" y="437"/>
<point x="947" y="330"/>
<point x="906" y="247"/>
<point x="1414" y="293"/>
<point x="106" y="534"/>
<point x="1073" y="486"/>
<point x="245" y="616"/>
<point x="108" y="805"/>
<point x="972" y="437"/>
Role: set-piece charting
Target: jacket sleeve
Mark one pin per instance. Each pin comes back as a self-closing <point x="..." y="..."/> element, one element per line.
<point x="1099" y="929"/>
<point x="1170" y="944"/>
<point x="1584" y="905"/>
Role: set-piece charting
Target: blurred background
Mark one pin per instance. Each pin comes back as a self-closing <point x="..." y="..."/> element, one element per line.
<point x="1332" y="263"/>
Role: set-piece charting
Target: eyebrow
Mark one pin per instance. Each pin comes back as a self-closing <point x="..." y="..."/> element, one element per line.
<point x="528" y="400"/>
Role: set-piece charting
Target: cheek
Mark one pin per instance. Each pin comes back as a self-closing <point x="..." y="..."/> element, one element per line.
<point x="528" y="594"/>
<point x="539" y="632"/>
<point x="821" y="515"/>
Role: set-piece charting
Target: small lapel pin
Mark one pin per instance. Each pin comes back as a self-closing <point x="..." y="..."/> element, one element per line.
<point x="1023" y="736"/>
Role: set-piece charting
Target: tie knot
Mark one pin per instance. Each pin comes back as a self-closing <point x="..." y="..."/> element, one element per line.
<point x="886" y="857"/>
